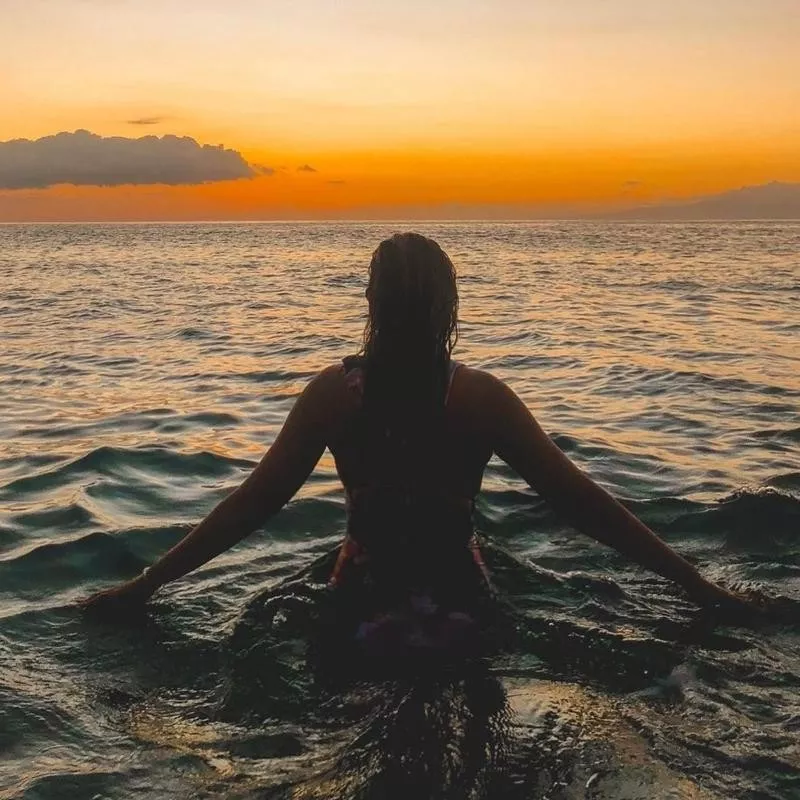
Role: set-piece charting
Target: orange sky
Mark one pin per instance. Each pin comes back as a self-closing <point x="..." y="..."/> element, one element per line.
<point x="501" y="108"/>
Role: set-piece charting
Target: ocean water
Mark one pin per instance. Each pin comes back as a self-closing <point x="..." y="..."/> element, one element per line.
<point x="144" y="369"/>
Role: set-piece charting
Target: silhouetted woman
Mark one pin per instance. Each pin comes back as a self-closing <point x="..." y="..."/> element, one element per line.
<point x="411" y="432"/>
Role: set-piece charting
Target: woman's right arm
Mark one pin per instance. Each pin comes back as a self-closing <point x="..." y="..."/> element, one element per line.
<point x="280" y="473"/>
<point x="519" y="440"/>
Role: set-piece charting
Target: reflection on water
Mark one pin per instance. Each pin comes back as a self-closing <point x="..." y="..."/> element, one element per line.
<point x="144" y="370"/>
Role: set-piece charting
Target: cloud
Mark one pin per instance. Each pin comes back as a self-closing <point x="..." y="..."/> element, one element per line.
<point x="146" y="121"/>
<point x="632" y="184"/>
<point x="262" y="169"/>
<point x="86" y="159"/>
<point x="336" y="183"/>
<point x="306" y="168"/>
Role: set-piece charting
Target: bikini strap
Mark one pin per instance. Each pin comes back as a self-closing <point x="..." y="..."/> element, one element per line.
<point x="354" y="374"/>
<point x="453" y="368"/>
<point x="353" y="367"/>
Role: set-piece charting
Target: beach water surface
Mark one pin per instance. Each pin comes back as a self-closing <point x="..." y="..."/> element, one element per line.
<point x="144" y="369"/>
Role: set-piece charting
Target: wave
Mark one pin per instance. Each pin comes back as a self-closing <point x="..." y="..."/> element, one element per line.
<point x="87" y="781"/>
<point x="767" y="514"/>
<point x="650" y="380"/>
<point x="757" y="519"/>
<point x="779" y="434"/>
<point x="127" y="462"/>
<point x="72" y="516"/>
<point x="201" y="334"/>
<point x="165" y="420"/>
<point x="82" y="561"/>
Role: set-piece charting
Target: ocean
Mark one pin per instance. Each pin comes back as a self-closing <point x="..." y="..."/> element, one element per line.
<point x="145" y="368"/>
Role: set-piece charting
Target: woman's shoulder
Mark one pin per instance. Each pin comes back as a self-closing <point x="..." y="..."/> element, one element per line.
<point x="475" y="380"/>
<point x="485" y="405"/>
<point x="338" y="382"/>
<point x="478" y="395"/>
<point x="333" y="376"/>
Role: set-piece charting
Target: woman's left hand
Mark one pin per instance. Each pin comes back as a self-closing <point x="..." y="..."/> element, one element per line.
<point x="126" y="598"/>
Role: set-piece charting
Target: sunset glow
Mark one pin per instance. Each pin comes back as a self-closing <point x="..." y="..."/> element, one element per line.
<point x="462" y="109"/>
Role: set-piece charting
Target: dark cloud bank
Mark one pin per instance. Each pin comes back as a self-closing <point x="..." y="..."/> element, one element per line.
<point x="86" y="159"/>
<point x="775" y="200"/>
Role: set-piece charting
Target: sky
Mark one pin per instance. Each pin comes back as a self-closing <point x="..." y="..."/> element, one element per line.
<point x="372" y="109"/>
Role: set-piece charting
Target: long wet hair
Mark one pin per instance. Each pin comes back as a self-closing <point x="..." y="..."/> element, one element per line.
<point x="411" y="330"/>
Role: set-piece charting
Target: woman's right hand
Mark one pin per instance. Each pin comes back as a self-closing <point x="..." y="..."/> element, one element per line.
<point x="127" y="598"/>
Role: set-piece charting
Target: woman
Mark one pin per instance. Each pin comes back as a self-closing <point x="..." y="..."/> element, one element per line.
<point x="411" y="432"/>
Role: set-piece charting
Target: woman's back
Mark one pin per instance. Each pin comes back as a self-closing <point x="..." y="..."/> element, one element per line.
<point x="410" y="490"/>
<point x="446" y="458"/>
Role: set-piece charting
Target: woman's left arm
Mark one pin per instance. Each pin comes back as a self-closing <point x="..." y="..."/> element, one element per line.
<point x="274" y="481"/>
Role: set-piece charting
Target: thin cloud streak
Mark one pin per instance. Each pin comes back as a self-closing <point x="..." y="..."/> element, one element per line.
<point x="146" y="121"/>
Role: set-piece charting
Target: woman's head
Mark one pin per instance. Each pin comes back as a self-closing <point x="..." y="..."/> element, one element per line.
<point x="411" y="329"/>
<point x="413" y="302"/>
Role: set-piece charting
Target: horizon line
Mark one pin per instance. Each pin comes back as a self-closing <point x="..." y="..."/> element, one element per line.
<point x="362" y="220"/>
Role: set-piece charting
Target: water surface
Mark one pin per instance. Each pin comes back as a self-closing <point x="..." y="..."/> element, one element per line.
<point x="145" y="369"/>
